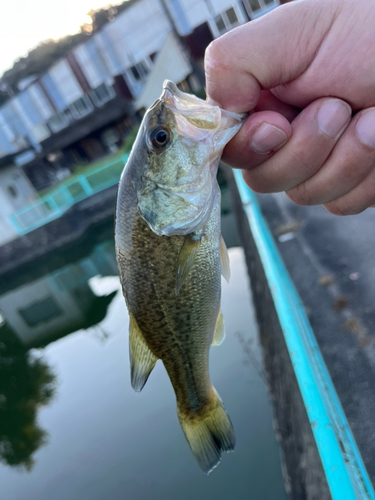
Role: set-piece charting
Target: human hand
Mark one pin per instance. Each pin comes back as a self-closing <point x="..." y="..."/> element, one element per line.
<point x="301" y="71"/>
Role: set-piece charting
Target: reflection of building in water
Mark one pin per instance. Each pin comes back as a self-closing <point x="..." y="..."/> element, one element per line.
<point x="61" y="302"/>
<point x="34" y="315"/>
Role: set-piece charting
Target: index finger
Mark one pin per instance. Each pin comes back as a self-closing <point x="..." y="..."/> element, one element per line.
<point x="263" y="54"/>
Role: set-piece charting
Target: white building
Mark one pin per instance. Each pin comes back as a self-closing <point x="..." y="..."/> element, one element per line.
<point x="93" y="87"/>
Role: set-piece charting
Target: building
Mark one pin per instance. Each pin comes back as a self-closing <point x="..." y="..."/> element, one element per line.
<point x="83" y="106"/>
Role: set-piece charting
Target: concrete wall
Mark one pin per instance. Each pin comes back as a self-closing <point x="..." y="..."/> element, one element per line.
<point x="304" y="475"/>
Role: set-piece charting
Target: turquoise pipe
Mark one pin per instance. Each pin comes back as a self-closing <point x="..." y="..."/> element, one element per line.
<point x="342" y="463"/>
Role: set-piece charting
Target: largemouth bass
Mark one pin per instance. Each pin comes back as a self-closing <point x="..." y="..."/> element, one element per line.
<point x="170" y="255"/>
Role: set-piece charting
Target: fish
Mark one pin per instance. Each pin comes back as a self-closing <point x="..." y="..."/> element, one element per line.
<point x="171" y="255"/>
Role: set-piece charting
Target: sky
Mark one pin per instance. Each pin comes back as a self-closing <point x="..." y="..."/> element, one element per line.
<point x="24" y="23"/>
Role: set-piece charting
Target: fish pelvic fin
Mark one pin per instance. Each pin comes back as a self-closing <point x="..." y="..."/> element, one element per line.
<point x="224" y="260"/>
<point x="219" y="334"/>
<point x="186" y="258"/>
<point x="142" y="359"/>
<point x="209" y="434"/>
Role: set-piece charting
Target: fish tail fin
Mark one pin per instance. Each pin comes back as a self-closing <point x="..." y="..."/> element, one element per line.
<point x="209" y="433"/>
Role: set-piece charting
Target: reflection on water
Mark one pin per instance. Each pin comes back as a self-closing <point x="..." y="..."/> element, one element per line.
<point x="33" y="315"/>
<point x="72" y="428"/>
<point x="61" y="302"/>
<point x="26" y="383"/>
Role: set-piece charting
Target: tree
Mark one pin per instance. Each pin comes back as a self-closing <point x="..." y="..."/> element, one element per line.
<point x="49" y="51"/>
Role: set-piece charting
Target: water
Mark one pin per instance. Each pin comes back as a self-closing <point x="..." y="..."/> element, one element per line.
<point x="72" y="428"/>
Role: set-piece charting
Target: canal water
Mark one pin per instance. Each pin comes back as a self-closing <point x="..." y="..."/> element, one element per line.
<point x="71" y="427"/>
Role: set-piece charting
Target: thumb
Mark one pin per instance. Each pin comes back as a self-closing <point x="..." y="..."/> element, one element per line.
<point x="265" y="53"/>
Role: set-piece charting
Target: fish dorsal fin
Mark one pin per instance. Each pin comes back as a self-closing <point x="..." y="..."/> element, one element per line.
<point x="219" y="334"/>
<point x="186" y="258"/>
<point x="224" y="260"/>
<point x="142" y="360"/>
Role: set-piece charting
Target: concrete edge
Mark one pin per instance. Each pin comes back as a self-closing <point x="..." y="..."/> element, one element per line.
<point x="320" y="453"/>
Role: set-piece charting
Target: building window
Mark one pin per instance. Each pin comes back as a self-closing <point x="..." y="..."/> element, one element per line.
<point x="41" y="311"/>
<point x="232" y="16"/>
<point x="81" y="107"/>
<point x="58" y="122"/>
<point x="102" y="94"/>
<point x="20" y="142"/>
<point x="220" y="24"/>
<point x="140" y="71"/>
<point x="225" y="21"/>
<point x="255" y="7"/>
<point x="12" y="190"/>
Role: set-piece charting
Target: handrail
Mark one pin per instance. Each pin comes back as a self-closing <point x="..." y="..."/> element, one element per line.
<point x="51" y="206"/>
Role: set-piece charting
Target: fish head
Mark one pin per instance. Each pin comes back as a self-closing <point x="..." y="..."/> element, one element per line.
<point x="184" y="137"/>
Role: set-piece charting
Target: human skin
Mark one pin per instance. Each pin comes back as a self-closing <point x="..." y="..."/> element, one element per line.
<point x="306" y="74"/>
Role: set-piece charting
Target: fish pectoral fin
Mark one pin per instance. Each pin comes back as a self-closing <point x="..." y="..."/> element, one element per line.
<point x="219" y="334"/>
<point x="224" y="260"/>
<point x="142" y="359"/>
<point x="186" y="258"/>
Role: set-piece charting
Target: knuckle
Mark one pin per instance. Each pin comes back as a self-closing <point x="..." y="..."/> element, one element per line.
<point x="306" y="165"/>
<point x="256" y="182"/>
<point x="339" y="210"/>
<point x="216" y="56"/>
<point x="213" y="52"/>
<point x="300" y="195"/>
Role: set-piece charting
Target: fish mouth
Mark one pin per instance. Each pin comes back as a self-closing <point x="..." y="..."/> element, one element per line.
<point x="176" y="92"/>
<point x="191" y="99"/>
<point x="201" y="115"/>
<point x="178" y="205"/>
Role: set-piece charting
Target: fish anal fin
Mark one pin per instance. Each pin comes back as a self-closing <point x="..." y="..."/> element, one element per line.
<point x="186" y="258"/>
<point x="224" y="260"/>
<point x="219" y="334"/>
<point x="142" y="359"/>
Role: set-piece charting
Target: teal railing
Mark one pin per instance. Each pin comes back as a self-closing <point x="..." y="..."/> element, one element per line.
<point x="344" y="469"/>
<point x="58" y="201"/>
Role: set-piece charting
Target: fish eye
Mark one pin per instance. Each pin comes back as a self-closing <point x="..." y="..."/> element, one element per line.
<point x="159" y="137"/>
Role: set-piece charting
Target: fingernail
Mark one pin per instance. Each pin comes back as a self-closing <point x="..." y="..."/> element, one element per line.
<point x="333" y="116"/>
<point x="365" y="128"/>
<point x="266" y="138"/>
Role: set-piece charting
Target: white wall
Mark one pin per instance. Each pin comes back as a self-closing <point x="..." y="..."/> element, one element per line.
<point x="196" y="11"/>
<point x="88" y="67"/>
<point x="170" y="64"/>
<point x="8" y="133"/>
<point x="13" y="177"/>
<point x="37" y="132"/>
<point x="138" y="32"/>
<point x="66" y="82"/>
<point x="41" y="102"/>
